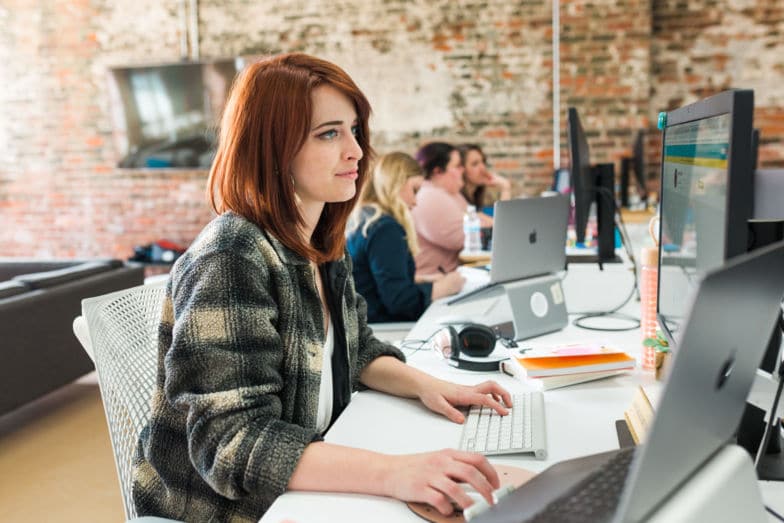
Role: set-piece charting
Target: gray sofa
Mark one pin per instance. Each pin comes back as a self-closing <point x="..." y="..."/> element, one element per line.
<point x="38" y="302"/>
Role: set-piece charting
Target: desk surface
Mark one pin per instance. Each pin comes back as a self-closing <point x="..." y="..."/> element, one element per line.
<point x="580" y="419"/>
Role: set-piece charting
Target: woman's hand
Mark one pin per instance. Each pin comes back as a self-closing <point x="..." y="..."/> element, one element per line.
<point x="485" y="220"/>
<point x="443" y="396"/>
<point x="435" y="478"/>
<point x="503" y="185"/>
<point x="447" y="285"/>
<point x="499" y="182"/>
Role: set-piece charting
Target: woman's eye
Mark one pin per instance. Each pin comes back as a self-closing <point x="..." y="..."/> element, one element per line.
<point x="329" y="135"/>
<point x="355" y="130"/>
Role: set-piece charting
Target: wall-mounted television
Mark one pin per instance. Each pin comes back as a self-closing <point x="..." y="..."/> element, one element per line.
<point x="167" y="116"/>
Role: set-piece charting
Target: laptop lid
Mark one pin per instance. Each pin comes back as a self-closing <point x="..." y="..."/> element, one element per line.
<point x="727" y="331"/>
<point x="529" y="237"/>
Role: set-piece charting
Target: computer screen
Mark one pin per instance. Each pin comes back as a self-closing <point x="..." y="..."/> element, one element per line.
<point x="706" y="196"/>
<point x="638" y="161"/>
<point x="581" y="178"/>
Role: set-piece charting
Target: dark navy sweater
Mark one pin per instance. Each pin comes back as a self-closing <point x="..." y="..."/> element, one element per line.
<point x="384" y="272"/>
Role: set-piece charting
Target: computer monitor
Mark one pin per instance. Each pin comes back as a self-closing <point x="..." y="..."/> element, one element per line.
<point x="591" y="184"/>
<point x="707" y="201"/>
<point x="638" y="164"/>
<point x="706" y="196"/>
<point x="766" y="227"/>
<point x="635" y="163"/>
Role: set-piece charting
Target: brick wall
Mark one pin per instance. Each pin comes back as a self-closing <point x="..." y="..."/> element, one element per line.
<point x="459" y="70"/>
<point x="702" y="47"/>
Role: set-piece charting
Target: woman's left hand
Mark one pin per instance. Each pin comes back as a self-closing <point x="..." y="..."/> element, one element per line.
<point x="443" y="397"/>
<point x="496" y="180"/>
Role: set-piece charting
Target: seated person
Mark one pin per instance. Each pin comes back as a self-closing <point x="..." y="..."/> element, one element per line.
<point x="439" y="210"/>
<point x="478" y="179"/>
<point x="262" y="336"/>
<point x="382" y="242"/>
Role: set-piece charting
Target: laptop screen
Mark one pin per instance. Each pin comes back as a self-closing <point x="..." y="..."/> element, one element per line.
<point x="529" y="237"/>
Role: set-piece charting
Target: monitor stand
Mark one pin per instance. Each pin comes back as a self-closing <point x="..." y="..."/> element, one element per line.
<point x="604" y="197"/>
<point x="538" y="306"/>
<point x="754" y="421"/>
<point x="750" y="431"/>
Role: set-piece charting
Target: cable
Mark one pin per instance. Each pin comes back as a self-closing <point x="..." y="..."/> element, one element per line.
<point x="774" y="513"/>
<point x="634" y="323"/>
<point x="420" y="343"/>
<point x="613" y="313"/>
<point x="406" y="345"/>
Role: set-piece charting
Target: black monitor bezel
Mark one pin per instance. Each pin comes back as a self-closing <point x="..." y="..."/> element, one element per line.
<point x="638" y="162"/>
<point x="580" y="176"/>
<point x="739" y="104"/>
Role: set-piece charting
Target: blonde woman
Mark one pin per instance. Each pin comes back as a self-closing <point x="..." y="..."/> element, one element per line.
<point x="382" y="243"/>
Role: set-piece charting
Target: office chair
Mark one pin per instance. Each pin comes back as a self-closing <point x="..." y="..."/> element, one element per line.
<point x="122" y="332"/>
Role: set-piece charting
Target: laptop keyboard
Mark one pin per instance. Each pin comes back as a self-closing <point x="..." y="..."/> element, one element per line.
<point x="520" y="431"/>
<point x="593" y="499"/>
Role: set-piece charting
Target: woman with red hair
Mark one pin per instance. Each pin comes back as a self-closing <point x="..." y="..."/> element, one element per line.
<point x="262" y="336"/>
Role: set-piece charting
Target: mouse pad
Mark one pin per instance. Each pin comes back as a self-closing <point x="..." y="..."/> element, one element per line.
<point x="507" y="474"/>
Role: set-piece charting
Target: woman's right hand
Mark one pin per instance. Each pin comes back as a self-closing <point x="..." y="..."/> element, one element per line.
<point x="450" y="284"/>
<point x="435" y="478"/>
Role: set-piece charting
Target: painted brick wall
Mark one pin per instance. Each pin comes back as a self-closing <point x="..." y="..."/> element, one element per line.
<point x="457" y="70"/>
<point x="702" y="47"/>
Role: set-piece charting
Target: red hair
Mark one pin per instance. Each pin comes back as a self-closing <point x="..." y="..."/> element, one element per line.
<point x="265" y="123"/>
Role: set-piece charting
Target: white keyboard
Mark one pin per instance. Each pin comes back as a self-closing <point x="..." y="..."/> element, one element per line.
<point x="522" y="430"/>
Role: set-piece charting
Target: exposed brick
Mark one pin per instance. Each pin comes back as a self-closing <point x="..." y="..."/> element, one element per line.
<point x="457" y="70"/>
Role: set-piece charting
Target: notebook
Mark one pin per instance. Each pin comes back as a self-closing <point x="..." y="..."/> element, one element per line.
<point x="529" y="239"/>
<point x="723" y="340"/>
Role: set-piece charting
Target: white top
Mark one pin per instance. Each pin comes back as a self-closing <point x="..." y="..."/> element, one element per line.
<point x="325" y="391"/>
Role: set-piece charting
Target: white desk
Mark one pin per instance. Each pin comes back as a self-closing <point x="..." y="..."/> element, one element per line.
<point x="580" y="419"/>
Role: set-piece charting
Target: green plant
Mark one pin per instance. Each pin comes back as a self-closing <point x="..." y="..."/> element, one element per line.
<point x="659" y="342"/>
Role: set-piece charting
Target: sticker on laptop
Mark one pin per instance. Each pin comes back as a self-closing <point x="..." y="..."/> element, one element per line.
<point x="556" y="293"/>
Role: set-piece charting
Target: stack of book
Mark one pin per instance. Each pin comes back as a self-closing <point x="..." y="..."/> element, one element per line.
<point x="567" y="365"/>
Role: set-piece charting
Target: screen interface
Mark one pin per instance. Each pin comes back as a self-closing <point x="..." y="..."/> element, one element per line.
<point x="693" y="210"/>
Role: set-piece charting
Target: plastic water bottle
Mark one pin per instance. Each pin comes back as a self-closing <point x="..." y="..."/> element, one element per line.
<point x="471" y="229"/>
<point x="649" y="272"/>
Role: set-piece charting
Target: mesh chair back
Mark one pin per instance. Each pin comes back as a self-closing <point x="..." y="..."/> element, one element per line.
<point x="124" y="331"/>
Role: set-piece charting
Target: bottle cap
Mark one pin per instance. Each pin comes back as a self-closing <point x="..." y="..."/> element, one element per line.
<point x="649" y="256"/>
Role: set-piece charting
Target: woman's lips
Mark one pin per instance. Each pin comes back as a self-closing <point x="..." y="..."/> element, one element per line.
<point x="350" y="175"/>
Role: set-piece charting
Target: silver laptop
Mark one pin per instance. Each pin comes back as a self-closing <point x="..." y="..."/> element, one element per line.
<point x="529" y="239"/>
<point x="726" y="333"/>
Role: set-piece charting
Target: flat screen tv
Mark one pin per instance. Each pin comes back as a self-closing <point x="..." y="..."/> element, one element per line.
<point x="166" y="116"/>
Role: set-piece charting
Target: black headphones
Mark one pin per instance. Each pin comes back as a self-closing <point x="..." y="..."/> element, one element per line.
<point x="471" y="339"/>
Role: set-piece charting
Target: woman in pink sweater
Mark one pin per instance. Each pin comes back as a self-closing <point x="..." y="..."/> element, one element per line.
<point x="438" y="214"/>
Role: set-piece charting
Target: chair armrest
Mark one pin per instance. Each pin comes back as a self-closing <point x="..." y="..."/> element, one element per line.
<point x="82" y="333"/>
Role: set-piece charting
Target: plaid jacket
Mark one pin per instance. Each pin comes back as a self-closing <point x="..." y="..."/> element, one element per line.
<point x="239" y="369"/>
